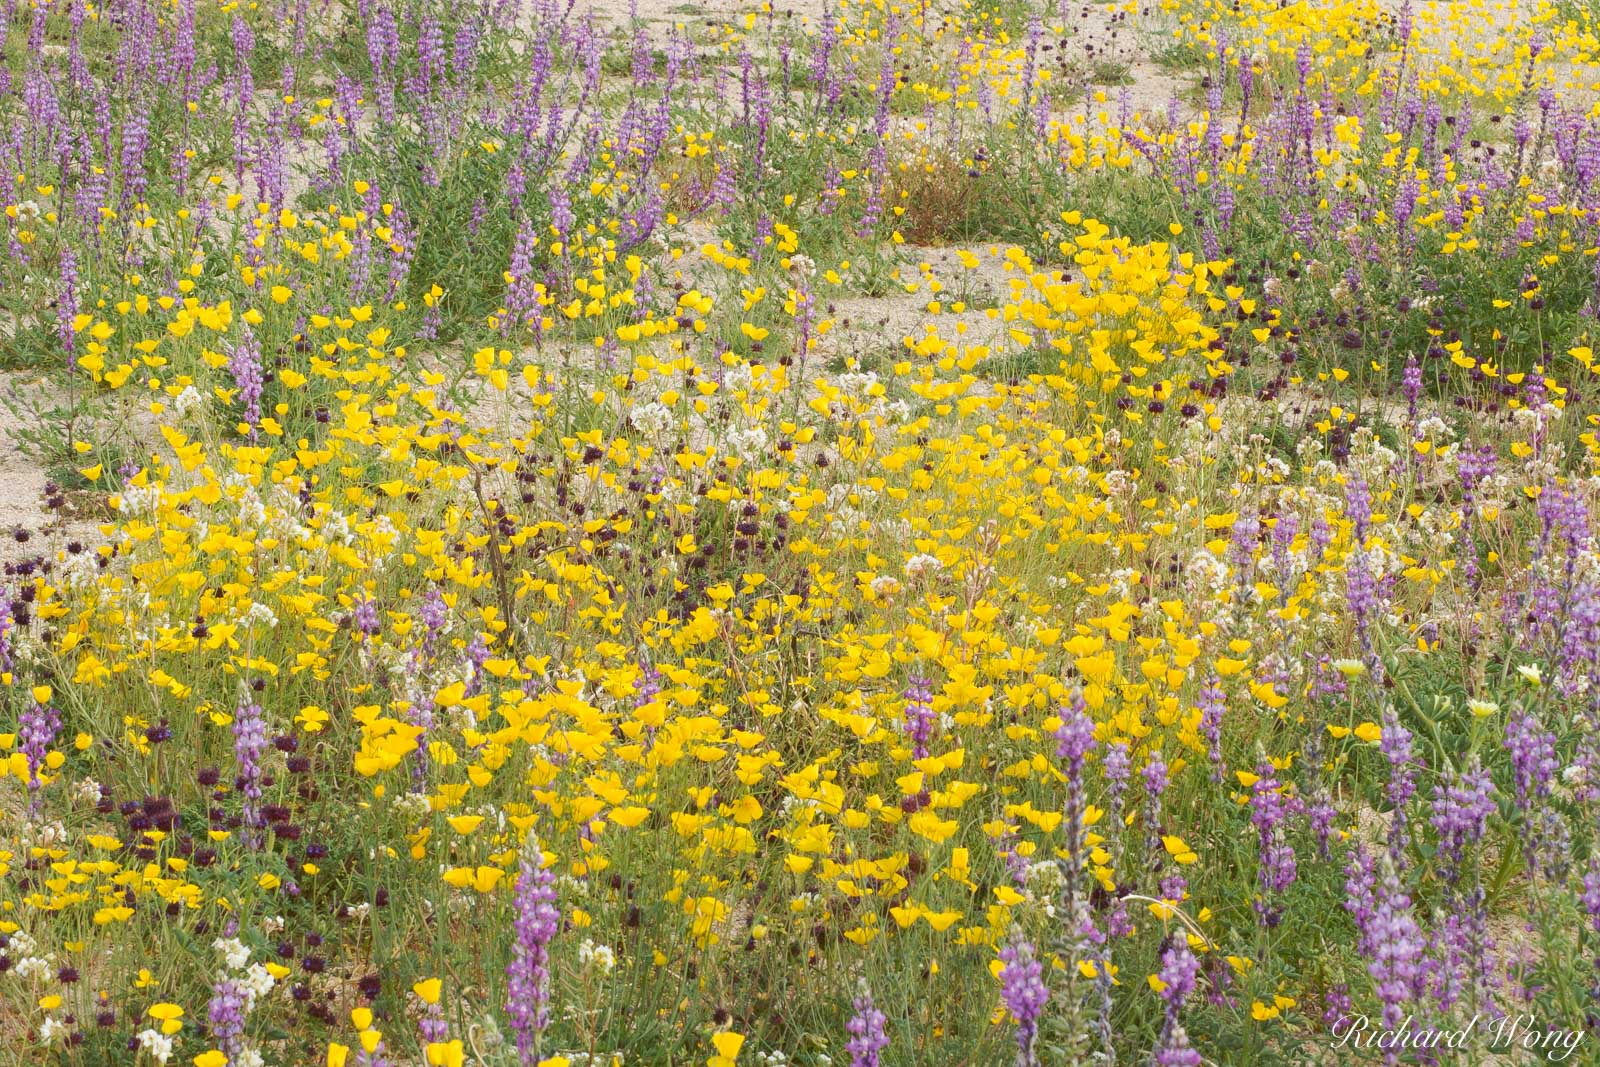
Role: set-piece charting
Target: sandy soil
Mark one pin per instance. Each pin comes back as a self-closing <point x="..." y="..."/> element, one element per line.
<point x="28" y="527"/>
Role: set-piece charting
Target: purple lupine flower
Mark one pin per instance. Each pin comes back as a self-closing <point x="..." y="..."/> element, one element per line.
<point x="646" y="689"/>
<point x="1016" y="863"/>
<point x="528" y="973"/>
<point x="433" y="1027"/>
<point x="1075" y="736"/>
<point x="1533" y="756"/>
<point x="1074" y="741"/>
<point x="1177" y="975"/>
<point x="878" y="158"/>
<point x="1213" y="706"/>
<point x="244" y="43"/>
<point x="67" y="302"/>
<point x="1457" y="949"/>
<point x="1269" y="810"/>
<point x="1319" y="538"/>
<point x="1405" y="204"/>
<point x="1590" y="897"/>
<point x="1326" y="681"/>
<point x="868" y="1031"/>
<point x="521" y="293"/>
<point x="1395" y="744"/>
<point x="1023" y="991"/>
<point x="225" y="1015"/>
<point x="1411" y="385"/>
<point x="1396" y="946"/>
<point x="433" y="615"/>
<point x="244" y="363"/>
<point x="1336" y="1005"/>
<point x="918" y="718"/>
<point x="1461" y="807"/>
<point x="1358" y="507"/>
<point x="1245" y="536"/>
<point x="365" y="617"/>
<point x="477" y="655"/>
<point x="249" y="745"/>
<point x="1155" y="784"/>
<point x="1475" y="467"/>
<point x="1117" y="766"/>
<point x="1362" y="594"/>
<point x="36" y="732"/>
<point x="1360" y="896"/>
<point x="6" y="624"/>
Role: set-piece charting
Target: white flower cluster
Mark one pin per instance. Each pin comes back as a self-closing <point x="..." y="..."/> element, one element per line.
<point x="140" y="499"/>
<point x="738" y="378"/>
<point x="235" y="953"/>
<point x="748" y="442"/>
<point x="157" y="1044"/>
<point x="187" y="401"/>
<point x="600" y="955"/>
<point x="652" y="419"/>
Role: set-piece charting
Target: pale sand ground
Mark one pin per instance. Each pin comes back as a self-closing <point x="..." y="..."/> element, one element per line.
<point x="22" y="486"/>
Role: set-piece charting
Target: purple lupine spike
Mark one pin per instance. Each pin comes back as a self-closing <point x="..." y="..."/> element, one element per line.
<point x="1075" y="735"/>
<point x="1398" y="963"/>
<point x="1244" y="538"/>
<point x="433" y="1027"/>
<point x="868" y="1031"/>
<point x="36" y="732"/>
<point x="225" y="1015"/>
<point x="521" y="292"/>
<point x="1461" y="807"/>
<point x="1275" y="871"/>
<point x="433" y="615"/>
<point x="365" y="617"/>
<point x="1154" y="776"/>
<point x="249" y="745"/>
<point x="1590" y="896"/>
<point x="1178" y="972"/>
<point x="6" y="624"/>
<point x="1213" y="706"/>
<point x="67" y="302"/>
<point x="1023" y="991"/>
<point x="1475" y="467"/>
<point x="1319" y="538"/>
<point x="244" y="364"/>
<point x="1533" y="756"/>
<point x="1395" y="744"/>
<point x="918" y="719"/>
<point x="1321" y="815"/>
<point x="1358" y="507"/>
<point x="1118" y="768"/>
<point x="528" y="973"/>
<point x="1360" y="895"/>
<point x="1411" y="385"/>
<point x="1074" y="741"/>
